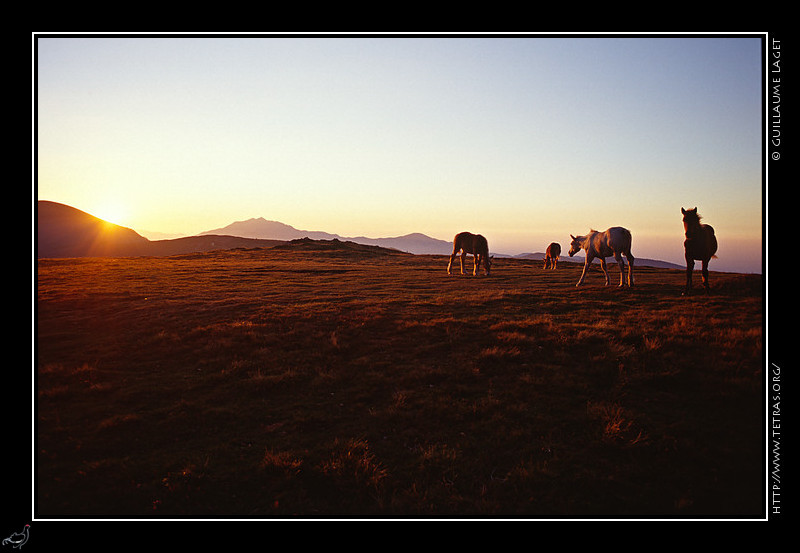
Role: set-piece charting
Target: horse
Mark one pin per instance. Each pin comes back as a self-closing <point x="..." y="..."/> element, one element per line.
<point x="700" y="244"/>
<point x="475" y="244"/>
<point x="614" y="241"/>
<point x="551" y="255"/>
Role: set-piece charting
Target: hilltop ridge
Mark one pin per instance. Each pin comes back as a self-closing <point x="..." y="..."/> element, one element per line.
<point x="64" y="231"/>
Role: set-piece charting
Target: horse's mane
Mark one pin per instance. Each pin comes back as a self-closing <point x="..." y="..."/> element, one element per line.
<point x="693" y="214"/>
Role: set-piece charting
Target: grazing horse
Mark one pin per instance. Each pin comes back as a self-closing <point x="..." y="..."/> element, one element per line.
<point x="466" y="242"/>
<point x="551" y="255"/>
<point x="615" y="241"/>
<point x="700" y="244"/>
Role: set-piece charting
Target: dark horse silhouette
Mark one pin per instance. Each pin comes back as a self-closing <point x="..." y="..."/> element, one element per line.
<point x="466" y="242"/>
<point x="551" y="255"/>
<point x="700" y="245"/>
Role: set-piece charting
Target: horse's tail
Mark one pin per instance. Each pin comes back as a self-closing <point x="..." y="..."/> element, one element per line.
<point x="628" y="238"/>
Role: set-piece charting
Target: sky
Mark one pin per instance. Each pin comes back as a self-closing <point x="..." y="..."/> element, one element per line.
<point x="523" y="139"/>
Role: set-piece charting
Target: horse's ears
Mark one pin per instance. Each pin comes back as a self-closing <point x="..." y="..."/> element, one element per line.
<point x="575" y="238"/>
<point x="683" y="211"/>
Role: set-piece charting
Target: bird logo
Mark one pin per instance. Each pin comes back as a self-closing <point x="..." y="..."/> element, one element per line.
<point x="17" y="540"/>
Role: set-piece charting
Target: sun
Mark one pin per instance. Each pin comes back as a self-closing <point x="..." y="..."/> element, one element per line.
<point x="112" y="212"/>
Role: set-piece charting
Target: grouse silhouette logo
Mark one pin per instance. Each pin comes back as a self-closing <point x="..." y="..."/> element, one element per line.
<point x="17" y="540"/>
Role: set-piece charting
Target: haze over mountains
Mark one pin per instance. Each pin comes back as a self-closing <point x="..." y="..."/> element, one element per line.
<point x="64" y="231"/>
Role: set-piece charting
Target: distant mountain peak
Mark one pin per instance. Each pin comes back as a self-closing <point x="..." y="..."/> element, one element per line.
<point x="264" y="229"/>
<point x="267" y="230"/>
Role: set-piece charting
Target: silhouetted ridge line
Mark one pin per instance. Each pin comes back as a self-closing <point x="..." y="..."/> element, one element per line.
<point x="63" y="231"/>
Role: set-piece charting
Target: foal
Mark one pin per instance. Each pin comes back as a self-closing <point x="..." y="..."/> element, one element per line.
<point x="700" y="244"/>
<point x="551" y="255"/>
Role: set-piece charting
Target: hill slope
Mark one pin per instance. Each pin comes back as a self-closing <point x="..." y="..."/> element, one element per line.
<point x="64" y="231"/>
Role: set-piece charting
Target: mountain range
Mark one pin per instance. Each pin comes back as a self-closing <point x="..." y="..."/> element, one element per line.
<point x="64" y="231"/>
<point x="262" y="229"/>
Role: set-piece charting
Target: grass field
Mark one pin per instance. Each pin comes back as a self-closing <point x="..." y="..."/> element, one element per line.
<point x="318" y="380"/>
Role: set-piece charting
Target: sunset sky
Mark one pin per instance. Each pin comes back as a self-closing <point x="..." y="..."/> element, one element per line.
<point x="524" y="140"/>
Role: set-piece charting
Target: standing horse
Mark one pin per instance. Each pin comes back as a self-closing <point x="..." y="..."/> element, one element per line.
<point x="466" y="242"/>
<point x="615" y="241"/>
<point x="700" y="244"/>
<point x="551" y="255"/>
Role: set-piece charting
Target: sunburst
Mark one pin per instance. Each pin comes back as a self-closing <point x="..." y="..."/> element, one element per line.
<point x="115" y="212"/>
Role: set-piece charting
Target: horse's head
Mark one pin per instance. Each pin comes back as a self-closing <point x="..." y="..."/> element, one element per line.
<point x="690" y="215"/>
<point x="576" y="245"/>
<point x="487" y="263"/>
<point x="690" y="218"/>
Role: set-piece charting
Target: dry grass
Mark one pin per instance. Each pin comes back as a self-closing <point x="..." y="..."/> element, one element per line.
<point x="264" y="384"/>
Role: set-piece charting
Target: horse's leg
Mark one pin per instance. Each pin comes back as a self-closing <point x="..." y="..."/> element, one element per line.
<point x="705" y="276"/>
<point x="618" y="257"/>
<point x="555" y="262"/>
<point x="476" y="258"/>
<point x="546" y="262"/>
<point x="452" y="256"/>
<point x="589" y="259"/>
<point x="689" y="269"/>
<point x="605" y="269"/>
<point x="463" y="256"/>
<point x="630" y="259"/>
